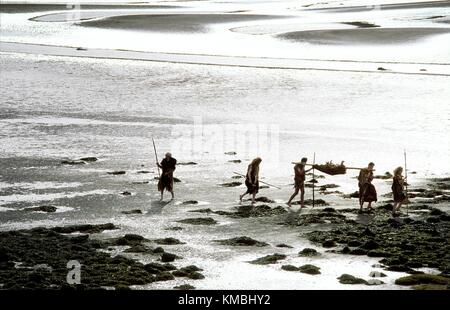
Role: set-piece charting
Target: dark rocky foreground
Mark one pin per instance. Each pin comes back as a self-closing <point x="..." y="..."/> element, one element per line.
<point x="38" y="258"/>
<point x="403" y="244"/>
<point x="418" y="238"/>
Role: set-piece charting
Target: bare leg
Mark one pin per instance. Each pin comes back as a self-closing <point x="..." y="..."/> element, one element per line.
<point x="162" y="195"/>
<point x="302" y="197"/>
<point x="361" y="198"/>
<point x="369" y="206"/>
<point x="242" y="196"/>
<point x="292" y="197"/>
<point x="394" y="207"/>
<point x="399" y="205"/>
<point x="173" y="196"/>
<point x="253" y="198"/>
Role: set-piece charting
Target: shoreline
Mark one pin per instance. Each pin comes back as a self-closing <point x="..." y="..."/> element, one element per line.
<point x="432" y="69"/>
<point x="29" y="7"/>
<point x="385" y="6"/>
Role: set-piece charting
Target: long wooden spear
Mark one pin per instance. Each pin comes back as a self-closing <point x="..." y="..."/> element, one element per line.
<point x="259" y="181"/>
<point x="156" y="156"/>
<point x="406" y="183"/>
<point x="313" y="178"/>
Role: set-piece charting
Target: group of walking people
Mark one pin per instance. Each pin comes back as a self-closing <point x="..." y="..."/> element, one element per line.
<point x="367" y="192"/>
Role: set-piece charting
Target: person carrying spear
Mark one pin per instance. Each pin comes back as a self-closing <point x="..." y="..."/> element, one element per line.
<point x="252" y="179"/>
<point x="398" y="190"/>
<point x="299" y="182"/>
<point x="367" y="192"/>
<point x="168" y="166"/>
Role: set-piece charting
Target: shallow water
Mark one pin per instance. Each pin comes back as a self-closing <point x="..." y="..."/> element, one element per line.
<point x="56" y="108"/>
<point x="62" y="109"/>
<point x="257" y="38"/>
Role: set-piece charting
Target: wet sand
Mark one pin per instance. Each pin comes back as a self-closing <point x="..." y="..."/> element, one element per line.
<point x="393" y="6"/>
<point x="171" y="23"/>
<point x="438" y="69"/>
<point x="211" y="29"/>
<point x="364" y="36"/>
<point x="41" y="7"/>
<point x="96" y="14"/>
<point x="87" y="121"/>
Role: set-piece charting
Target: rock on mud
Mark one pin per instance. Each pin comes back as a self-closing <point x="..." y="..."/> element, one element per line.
<point x="121" y="172"/>
<point x="168" y="241"/>
<point x="417" y="279"/>
<point x="84" y="228"/>
<point x="190" y="202"/>
<point x="386" y="176"/>
<point x="155" y="268"/>
<point x="289" y="268"/>
<point x="231" y="184"/>
<point x="72" y="162"/>
<point x="199" y="221"/>
<point x="89" y="159"/>
<point x="349" y="279"/>
<point x="269" y="259"/>
<point x="308" y="252"/>
<point x="168" y="257"/>
<point x="309" y="269"/>
<point x="283" y="245"/>
<point x="253" y="211"/>
<point x="184" y="287"/>
<point x="309" y="202"/>
<point x="134" y="211"/>
<point x="174" y="228"/>
<point x="48" y="209"/>
<point x="140" y="248"/>
<point x="207" y="210"/>
<point x="242" y="241"/>
<point x="376" y="274"/>
<point x="128" y="239"/>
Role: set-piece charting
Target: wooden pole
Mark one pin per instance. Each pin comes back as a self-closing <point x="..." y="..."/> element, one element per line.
<point x="313" y="179"/>
<point x="259" y="181"/>
<point x="156" y="156"/>
<point x="406" y="184"/>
